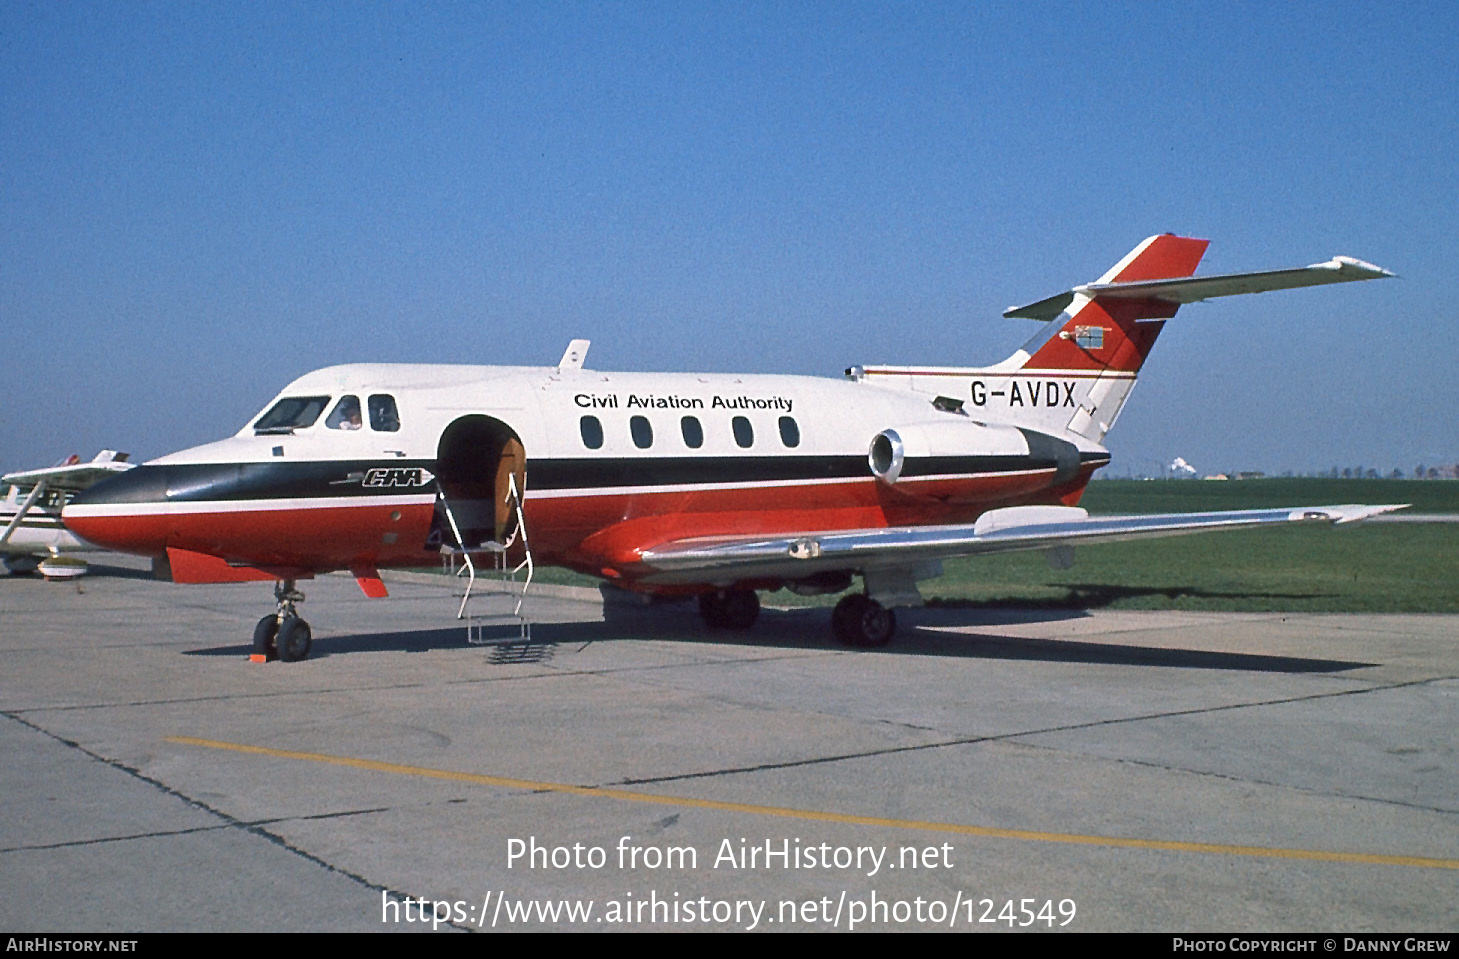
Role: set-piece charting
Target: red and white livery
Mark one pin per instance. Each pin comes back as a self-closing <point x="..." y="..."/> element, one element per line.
<point x="712" y="485"/>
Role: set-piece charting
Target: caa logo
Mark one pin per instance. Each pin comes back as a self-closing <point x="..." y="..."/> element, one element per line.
<point x="397" y="476"/>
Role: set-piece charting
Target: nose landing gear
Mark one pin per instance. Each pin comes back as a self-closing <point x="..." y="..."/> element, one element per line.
<point x="282" y="634"/>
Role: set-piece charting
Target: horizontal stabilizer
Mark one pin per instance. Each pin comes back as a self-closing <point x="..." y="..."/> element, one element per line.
<point x="1193" y="289"/>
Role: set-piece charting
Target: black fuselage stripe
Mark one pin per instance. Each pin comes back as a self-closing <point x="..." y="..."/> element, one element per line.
<point x="214" y="482"/>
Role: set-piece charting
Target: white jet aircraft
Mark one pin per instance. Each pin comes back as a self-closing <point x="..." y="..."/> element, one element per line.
<point x="707" y="485"/>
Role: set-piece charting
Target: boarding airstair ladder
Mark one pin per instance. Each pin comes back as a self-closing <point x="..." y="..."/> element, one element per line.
<point x="499" y="586"/>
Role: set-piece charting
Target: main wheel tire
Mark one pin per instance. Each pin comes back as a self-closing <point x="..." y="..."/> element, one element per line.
<point x="862" y="622"/>
<point x="711" y="610"/>
<point x="741" y="608"/>
<point x="265" y="636"/>
<point x="844" y="618"/>
<point x="294" y="639"/>
<point x="730" y="609"/>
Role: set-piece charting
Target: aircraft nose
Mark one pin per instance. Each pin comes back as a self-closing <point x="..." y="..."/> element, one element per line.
<point x="121" y="513"/>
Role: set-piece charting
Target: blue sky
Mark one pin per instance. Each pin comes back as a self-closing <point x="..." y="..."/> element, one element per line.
<point x="201" y="201"/>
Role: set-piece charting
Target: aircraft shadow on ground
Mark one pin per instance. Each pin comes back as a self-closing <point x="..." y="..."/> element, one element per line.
<point x="1083" y="596"/>
<point x="927" y="632"/>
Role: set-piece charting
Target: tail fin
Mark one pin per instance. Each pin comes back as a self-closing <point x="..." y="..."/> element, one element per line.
<point x="1075" y="375"/>
<point x="1102" y="333"/>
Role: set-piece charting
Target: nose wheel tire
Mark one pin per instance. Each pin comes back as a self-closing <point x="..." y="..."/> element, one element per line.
<point x="294" y="639"/>
<point x="265" y="637"/>
<point x="862" y="622"/>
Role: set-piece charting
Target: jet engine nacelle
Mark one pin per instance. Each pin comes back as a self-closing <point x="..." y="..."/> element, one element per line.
<point x="930" y="449"/>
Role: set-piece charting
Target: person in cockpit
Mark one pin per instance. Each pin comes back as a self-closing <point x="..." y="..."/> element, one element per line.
<point x="346" y="415"/>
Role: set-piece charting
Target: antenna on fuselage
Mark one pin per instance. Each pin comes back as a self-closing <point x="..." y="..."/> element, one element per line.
<point x="572" y="358"/>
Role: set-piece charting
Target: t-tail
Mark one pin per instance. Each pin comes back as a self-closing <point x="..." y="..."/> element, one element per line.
<point x="1077" y="373"/>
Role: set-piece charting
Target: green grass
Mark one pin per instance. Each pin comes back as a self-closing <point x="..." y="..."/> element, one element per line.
<point x="1190" y="496"/>
<point x="557" y="576"/>
<point x="1372" y="567"/>
<point x="550" y="575"/>
<point x="1393" y="568"/>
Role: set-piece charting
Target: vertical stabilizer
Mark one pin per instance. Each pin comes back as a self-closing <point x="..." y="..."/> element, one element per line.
<point x="1093" y="333"/>
<point x="1076" y="374"/>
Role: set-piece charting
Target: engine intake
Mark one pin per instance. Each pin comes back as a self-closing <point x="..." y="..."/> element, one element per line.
<point x="963" y="448"/>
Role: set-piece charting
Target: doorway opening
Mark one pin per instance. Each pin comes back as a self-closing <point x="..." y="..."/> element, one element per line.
<point x="479" y="461"/>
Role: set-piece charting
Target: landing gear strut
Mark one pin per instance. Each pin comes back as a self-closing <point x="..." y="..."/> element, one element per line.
<point x="858" y="620"/>
<point x="730" y="608"/>
<point x="283" y="634"/>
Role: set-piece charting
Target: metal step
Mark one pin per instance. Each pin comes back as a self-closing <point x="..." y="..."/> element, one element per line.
<point x="493" y="580"/>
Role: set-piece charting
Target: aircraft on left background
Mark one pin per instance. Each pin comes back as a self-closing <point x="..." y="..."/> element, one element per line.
<point x="32" y="536"/>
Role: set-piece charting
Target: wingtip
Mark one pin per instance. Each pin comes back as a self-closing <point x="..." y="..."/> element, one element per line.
<point x="1359" y="269"/>
<point x="1354" y="513"/>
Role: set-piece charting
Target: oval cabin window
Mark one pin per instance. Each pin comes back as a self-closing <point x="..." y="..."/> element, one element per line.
<point x="592" y="431"/>
<point x="744" y="432"/>
<point x="693" y="432"/>
<point x="643" y="433"/>
<point x="789" y="432"/>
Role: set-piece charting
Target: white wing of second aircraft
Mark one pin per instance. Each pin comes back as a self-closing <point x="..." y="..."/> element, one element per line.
<point x="1002" y="530"/>
<point x="32" y="527"/>
<point x="71" y="476"/>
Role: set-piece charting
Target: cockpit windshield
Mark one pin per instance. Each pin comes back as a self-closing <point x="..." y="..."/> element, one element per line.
<point x="346" y="414"/>
<point x="291" y="413"/>
<point x="384" y="417"/>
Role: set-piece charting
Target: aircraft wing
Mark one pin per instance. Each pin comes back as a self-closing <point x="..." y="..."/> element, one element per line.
<point x="72" y="477"/>
<point x="1003" y="530"/>
<point x="1192" y="289"/>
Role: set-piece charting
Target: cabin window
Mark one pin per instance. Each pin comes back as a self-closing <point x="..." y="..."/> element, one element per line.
<point x="383" y="416"/>
<point x="592" y="431"/>
<point x="643" y="433"/>
<point x="345" y="415"/>
<point x="789" y="432"/>
<point x="290" y="414"/>
<point x="744" y="432"/>
<point x="693" y="432"/>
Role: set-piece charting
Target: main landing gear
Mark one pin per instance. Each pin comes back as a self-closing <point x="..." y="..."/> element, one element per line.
<point x="860" y="621"/>
<point x="730" y="608"/>
<point x="283" y="634"/>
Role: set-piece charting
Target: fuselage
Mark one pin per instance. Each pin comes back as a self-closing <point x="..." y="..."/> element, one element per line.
<point x="347" y="467"/>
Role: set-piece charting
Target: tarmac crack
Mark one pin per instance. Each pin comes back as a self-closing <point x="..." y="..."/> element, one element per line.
<point x="1014" y="736"/>
<point x="190" y="831"/>
<point x="228" y="822"/>
<point x="1329" y="794"/>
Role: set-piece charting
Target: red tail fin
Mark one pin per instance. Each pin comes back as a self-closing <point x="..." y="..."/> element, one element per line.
<point x="1108" y="333"/>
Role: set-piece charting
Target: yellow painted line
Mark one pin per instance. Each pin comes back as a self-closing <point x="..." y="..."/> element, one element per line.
<point x="624" y="795"/>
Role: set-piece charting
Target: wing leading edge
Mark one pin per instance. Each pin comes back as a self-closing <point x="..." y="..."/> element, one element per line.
<point x="1003" y="530"/>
